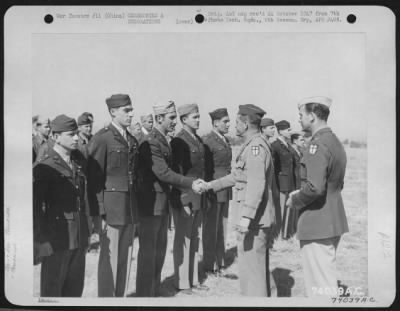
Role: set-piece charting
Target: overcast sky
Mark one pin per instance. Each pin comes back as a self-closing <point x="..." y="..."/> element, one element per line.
<point x="74" y="73"/>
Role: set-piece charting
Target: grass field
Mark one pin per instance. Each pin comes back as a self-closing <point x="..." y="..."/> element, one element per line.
<point x="285" y="260"/>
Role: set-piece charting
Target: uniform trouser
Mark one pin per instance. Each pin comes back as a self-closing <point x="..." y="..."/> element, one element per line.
<point x="283" y="196"/>
<point x="215" y="221"/>
<point x="186" y="248"/>
<point x="253" y="259"/>
<point x="116" y="244"/>
<point x="319" y="265"/>
<point x="63" y="273"/>
<point x="153" y="235"/>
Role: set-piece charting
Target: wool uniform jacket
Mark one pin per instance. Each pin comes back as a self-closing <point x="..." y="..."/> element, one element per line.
<point x="284" y="166"/>
<point x="319" y="200"/>
<point x="253" y="177"/>
<point x="112" y="176"/>
<point x="155" y="175"/>
<point x="188" y="159"/>
<point x="60" y="201"/>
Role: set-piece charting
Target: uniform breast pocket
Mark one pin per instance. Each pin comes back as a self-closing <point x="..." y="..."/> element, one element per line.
<point x="116" y="156"/>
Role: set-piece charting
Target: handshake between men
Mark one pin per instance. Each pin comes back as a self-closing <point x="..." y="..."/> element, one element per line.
<point x="199" y="186"/>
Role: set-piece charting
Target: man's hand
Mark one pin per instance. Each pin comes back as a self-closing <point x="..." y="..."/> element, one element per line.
<point x="243" y="226"/>
<point x="289" y="201"/>
<point x="186" y="211"/>
<point x="44" y="249"/>
<point x="199" y="186"/>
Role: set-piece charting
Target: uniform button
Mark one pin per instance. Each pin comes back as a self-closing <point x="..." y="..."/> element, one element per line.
<point x="76" y="187"/>
<point x="113" y="189"/>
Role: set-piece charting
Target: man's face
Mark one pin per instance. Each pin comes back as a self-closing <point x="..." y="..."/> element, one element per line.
<point x="168" y="122"/>
<point x="43" y="128"/>
<point x="192" y="120"/>
<point x="241" y="126"/>
<point x="299" y="142"/>
<point x="305" y="119"/>
<point x="86" y="129"/>
<point x="68" y="140"/>
<point x="286" y="133"/>
<point x="269" y="131"/>
<point x="122" y="115"/>
<point x="148" y="123"/>
<point x="222" y="125"/>
<point x="136" y="128"/>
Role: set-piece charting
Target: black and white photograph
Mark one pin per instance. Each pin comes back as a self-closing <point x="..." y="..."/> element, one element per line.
<point x="231" y="155"/>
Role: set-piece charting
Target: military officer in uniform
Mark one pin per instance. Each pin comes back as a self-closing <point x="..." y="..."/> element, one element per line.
<point x="155" y="178"/>
<point x="147" y="123"/>
<point x="188" y="160"/>
<point x="112" y="169"/>
<point x="41" y="136"/>
<point x="85" y="125"/>
<point x="215" y="217"/>
<point x="297" y="141"/>
<point x="61" y="232"/>
<point x="268" y="128"/>
<point x="257" y="195"/>
<point x="322" y="218"/>
<point x="284" y="170"/>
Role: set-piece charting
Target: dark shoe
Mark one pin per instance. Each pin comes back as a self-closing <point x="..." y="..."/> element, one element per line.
<point x="187" y="291"/>
<point x="211" y="272"/>
<point x="201" y="287"/>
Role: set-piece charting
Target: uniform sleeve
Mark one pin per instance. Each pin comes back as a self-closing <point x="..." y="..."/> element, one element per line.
<point x="153" y="156"/>
<point x="255" y="181"/>
<point x="97" y="157"/>
<point x="177" y="158"/>
<point x="315" y="185"/>
<point x="224" y="182"/>
<point x="209" y="165"/>
<point x="40" y="203"/>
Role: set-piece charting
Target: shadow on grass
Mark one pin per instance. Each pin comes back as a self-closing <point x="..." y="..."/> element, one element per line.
<point x="230" y="256"/>
<point x="167" y="287"/>
<point x="283" y="281"/>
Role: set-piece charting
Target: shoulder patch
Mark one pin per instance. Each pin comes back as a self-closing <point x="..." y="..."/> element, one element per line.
<point x="313" y="148"/>
<point x="255" y="150"/>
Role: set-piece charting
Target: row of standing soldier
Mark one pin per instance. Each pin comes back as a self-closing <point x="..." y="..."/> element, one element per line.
<point x="126" y="186"/>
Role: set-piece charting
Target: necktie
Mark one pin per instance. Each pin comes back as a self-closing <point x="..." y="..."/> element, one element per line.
<point x="68" y="160"/>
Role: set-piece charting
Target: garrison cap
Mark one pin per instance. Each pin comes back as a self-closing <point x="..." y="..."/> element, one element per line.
<point x="187" y="109"/>
<point x="251" y="110"/>
<point x="84" y="119"/>
<point x="62" y="123"/>
<point x="42" y="120"/>
<point x="146" y="117"/>
<point x="89" y="114"/>
<point x="267" y="122"/>
<point x="164" y="107"/>
<point x="316" y="100"/>
<point x="118" y="100"/>
<point x="282" y="125"/>
<point x="218" y="114"/>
